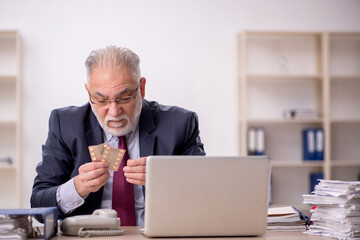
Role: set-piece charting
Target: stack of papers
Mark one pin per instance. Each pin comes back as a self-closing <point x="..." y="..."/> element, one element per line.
<point x="284" y="219"/>
<point x="9" y="231"/>
<point x="338" y="209"/>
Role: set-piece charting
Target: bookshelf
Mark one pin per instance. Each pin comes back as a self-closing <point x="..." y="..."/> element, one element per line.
<point x="10" y="109"/>
<point x="301" y="70"/>
<point x="344" y="75"/>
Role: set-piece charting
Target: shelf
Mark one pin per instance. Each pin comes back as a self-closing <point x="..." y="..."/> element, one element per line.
<point x="284" y="121"/>
<point x="10" y="116"/>
<point x="345" y="77"/>
<point x="281" y="55"/>
<point x="7" y="78"/>
<point x="290" y="163"/>
<point x="355" y="120"/>
<point x="8" y="34"/>
<point x="345" y="163"/>
<point x="344" y="55"/>
<point x="282" y="77"/>
<point x="280" y="33"/>
<point x="8" y="123"/>
<point x="9" y="54"/>
<point x="301" y="70"/>
<point x="5" y="166"/>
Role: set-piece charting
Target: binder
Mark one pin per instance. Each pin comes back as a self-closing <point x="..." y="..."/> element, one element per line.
<point x="256" y="141"/>
<point x="251" y="141"/>
<point x="260" y="141"/>
<point x="319" y="151"/>
<point x="309" y="144"/>
<point x="313" y="144"/>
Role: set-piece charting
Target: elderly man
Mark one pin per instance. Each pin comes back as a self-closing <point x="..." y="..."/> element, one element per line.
<point x="117" y="114"/>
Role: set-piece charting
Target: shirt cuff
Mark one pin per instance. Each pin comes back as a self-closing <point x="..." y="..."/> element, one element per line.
<point x="68" y="198"/>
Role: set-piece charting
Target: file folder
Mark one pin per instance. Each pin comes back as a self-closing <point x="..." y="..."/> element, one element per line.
<point x="251" y="141"/>
<point x="319" y="144"/>
<point x="313" y="144"/>
<point x="260" y="141"/>
<point x="256" y="141"/>
<point x="309" y="144"/>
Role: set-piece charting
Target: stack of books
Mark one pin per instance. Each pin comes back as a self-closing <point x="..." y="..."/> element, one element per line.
<point x="284" y="219"/>
<point x="338" y="209"/>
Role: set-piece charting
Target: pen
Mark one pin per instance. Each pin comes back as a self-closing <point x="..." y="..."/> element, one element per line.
<point x="308" y="222"/>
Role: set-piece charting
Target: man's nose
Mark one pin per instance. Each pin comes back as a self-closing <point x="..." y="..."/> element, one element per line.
<point x="114" y="109"/>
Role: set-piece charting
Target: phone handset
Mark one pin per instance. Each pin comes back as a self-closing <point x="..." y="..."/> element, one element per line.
<point x="103" y="222"/>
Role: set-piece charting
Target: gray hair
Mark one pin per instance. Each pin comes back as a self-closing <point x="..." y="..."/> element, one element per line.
<point x="115" y="57"/>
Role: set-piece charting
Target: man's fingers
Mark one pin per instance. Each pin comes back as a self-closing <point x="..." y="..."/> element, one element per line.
<point x="136" y="169"/>
<point x="94" y="184"/>
<point x="96" y="173"/>
<point x="87" y="167"/>
<point x="92" y="176"/>
<point x="136" y="165"/>
<point x="135" y="178"/>
<point x="139" y="176"/>
<point x="136" y="162"/>
<point x="136" y="181"/>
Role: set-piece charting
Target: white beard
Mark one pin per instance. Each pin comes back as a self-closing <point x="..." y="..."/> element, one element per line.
<point x="130" y="123"/>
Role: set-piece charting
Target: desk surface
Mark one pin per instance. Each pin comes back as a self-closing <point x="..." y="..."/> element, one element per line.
<point x="133" y="233"/>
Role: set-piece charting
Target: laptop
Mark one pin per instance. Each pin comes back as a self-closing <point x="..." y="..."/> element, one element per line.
<point x="206" y="196"/>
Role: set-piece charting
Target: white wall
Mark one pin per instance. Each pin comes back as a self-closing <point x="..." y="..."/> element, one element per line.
<point x="187" y="48"/>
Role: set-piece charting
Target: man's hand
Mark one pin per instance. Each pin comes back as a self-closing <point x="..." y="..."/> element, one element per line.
<point x="92" y="176"/>
<point x="135" y="171"/>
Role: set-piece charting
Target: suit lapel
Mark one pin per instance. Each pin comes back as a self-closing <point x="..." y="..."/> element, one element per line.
<point x="94" y="131"/>
<point x="147" y="144"/>
<point x="146" y="125"/>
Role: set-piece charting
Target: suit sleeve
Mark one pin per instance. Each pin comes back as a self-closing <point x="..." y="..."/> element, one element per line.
<point x="54" y="169"/>
<point x="192" y="144"/>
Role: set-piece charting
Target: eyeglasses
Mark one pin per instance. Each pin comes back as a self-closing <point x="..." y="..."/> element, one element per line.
<point x="118" y="101"/>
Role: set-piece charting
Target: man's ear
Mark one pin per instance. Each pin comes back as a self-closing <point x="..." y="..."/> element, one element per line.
<point x="87" y="89"/>
<point x="142" y="87"/>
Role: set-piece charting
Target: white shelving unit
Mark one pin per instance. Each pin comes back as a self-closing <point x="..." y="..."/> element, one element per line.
<point x="344" y="75"/>
<point x="287" y="70"/>
<point x="10" y="109"/>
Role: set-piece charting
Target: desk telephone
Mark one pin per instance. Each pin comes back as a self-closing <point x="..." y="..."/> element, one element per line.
<point x="103" y="222"/>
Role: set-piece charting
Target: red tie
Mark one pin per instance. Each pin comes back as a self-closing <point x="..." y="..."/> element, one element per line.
<point x="123" y="191"/>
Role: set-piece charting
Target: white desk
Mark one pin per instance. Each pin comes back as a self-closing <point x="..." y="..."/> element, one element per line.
<point x="133" y="233"/>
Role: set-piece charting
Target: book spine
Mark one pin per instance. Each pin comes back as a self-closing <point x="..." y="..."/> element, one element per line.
<point x="309" y="144"/>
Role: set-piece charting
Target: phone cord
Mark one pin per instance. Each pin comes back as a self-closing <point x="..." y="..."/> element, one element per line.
<point x="83" y="232"/>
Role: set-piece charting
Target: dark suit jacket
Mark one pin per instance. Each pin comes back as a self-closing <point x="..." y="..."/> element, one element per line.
<point x="163" y="130"/>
